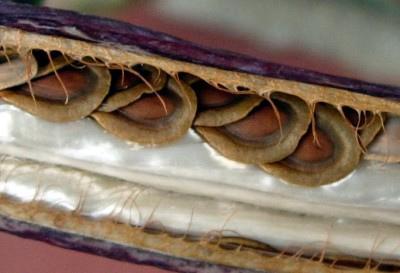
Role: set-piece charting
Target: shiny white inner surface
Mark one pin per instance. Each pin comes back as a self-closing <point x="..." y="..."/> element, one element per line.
<point x="104" y="197"/>
<point x="191" y="166"/>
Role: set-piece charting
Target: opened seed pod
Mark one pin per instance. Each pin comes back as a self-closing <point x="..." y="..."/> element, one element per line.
<point x="186" y="206"/>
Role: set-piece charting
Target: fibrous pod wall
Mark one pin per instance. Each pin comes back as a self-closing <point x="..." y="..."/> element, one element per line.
<point x="136" y="145"/>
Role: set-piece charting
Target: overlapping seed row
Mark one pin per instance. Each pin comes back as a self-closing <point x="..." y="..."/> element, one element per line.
<point x="143" y="104"/>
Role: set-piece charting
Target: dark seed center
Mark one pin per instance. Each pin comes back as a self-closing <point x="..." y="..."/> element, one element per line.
<point x="209" y="96"/>
<point x="258" y="124"/>
<point x="357" y="119"/>
<point x="50" y="87"/>
<point x="309" y="150"/>
<point x="149" y="108"/>
<point x="121" y="81"/>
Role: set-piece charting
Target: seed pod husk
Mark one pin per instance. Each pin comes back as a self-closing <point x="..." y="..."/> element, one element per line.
<point x="276" y="141"/>
<point x="324" y="156"/>
<point x="86" y="89"/>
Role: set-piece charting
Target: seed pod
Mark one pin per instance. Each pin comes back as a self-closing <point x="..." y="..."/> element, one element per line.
<point x="25" y="29"/>
<point x="127" y="87"/>
<point x="154" y="118"/>
<point x="66" y="95"/>
<point x="324" y="155"/>
<point x="265" y="134"/>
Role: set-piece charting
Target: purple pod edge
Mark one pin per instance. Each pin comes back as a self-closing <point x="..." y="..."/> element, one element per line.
<point x="48" y="21"/>
<point x="110" y="249"/>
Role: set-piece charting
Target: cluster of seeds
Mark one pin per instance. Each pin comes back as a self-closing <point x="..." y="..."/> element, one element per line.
<point x="143" y="104"/>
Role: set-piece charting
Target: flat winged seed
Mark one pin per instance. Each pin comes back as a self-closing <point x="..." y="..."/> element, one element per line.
<point x="86" y="88"/>
<point x="261" y="136"/>
<point x="324" y="156"/>
<point x="16" y="69"/>
<point x="154" y="118"/>
<point x="217" y="108"/>
<point x="127" y="87"/>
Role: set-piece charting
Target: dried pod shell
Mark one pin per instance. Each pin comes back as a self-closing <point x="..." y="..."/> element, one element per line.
<point x="153" y="130"/>
<point x="273" y="146"/>
<point x="322" y="159"/>
<point x="47" y="99"/>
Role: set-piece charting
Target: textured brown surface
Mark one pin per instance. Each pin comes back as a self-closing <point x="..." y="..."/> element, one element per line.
<point x="231" y="80"/>
<point x="109" y="231"/>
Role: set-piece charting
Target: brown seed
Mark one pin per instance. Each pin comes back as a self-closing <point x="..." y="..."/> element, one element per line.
<point x="209" y="96"/>
<point x="50" y="87"/>
<point x="148" y="122"/>
<point x="86" y="87"/>
<point x="149" y="108"/>
<point x="228" y="113"/>
<point x="258" y="137"/>
<point x="260" y="123"/>
<point x="312" y="165"/>
<point x="313" y="148"/>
